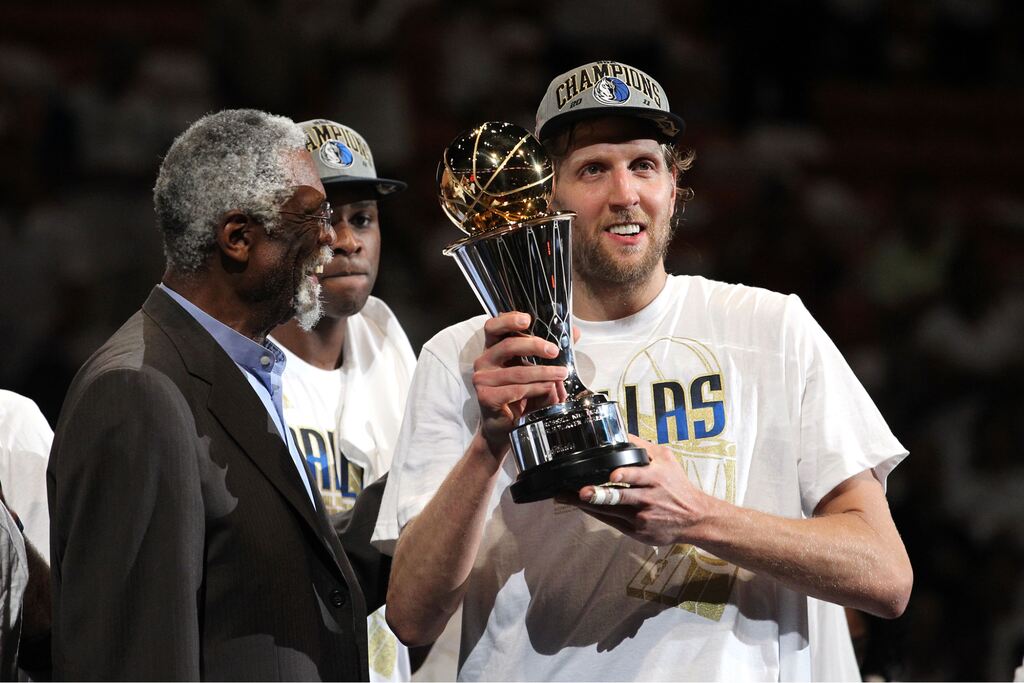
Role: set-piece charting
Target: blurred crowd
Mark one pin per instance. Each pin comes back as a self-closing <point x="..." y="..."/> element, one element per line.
<point x="863" y="154"/>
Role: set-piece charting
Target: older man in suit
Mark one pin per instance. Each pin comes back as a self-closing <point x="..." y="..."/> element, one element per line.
<point x="187" y="539"/>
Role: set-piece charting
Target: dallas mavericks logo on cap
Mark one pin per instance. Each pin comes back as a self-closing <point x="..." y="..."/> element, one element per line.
<point x="611" y="90"/>
<point x="336" y="155"/>
<point x="342" y="156"/>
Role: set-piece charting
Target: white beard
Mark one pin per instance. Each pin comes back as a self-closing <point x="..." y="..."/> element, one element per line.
<point x="308" y="306"/>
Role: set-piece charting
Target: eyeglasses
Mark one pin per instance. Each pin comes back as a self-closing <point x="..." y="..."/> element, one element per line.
<point x="324" y="217"/>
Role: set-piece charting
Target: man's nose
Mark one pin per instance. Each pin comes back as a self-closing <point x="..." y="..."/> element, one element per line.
<point x="326" y="236"/>
<point x="345" y="239"/>
<point x="623" y="190"/>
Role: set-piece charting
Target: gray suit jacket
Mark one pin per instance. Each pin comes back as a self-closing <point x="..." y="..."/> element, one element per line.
<point x="184" y="544"/>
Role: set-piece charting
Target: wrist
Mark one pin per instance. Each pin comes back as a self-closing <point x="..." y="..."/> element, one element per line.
<point x="489" y="452"/>
<point x="706" y="529"/>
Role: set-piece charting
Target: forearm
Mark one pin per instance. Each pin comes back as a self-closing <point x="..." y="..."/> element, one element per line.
<point x="841" y="557"/>
<point x="437" y="550"/>
<point x="849" y="552"/>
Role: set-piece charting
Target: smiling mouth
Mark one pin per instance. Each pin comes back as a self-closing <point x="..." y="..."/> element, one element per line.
<point x="314" y="268"/>
<point x="625" y="229"/>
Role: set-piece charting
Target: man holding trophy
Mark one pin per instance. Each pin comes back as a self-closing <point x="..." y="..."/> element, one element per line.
<point x="752" y="484"/>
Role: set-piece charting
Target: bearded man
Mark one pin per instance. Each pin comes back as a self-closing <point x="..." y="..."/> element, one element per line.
<point x="188" y="541"/>
<point x="765" y="490"/>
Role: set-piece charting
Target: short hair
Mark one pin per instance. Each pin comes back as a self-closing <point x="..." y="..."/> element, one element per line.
<point x="677" y="159"/>
<point x="232" y="159"/>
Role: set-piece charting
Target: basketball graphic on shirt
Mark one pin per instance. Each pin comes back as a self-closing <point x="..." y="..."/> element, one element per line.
<point x="673" y="392"/>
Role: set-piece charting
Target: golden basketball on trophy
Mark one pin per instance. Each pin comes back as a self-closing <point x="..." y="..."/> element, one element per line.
<point x="493" y="175"/>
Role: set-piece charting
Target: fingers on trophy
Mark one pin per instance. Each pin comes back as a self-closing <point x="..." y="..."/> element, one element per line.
<point x="495" y="185"/>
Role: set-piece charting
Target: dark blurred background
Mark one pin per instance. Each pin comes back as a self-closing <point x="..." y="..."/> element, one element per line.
<point x="865" y="154"/>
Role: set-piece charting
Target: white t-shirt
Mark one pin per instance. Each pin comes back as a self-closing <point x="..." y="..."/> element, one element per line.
<point x="762" y="411"/>
<point x="345" y="425"/>
<point x="25" y="439"/>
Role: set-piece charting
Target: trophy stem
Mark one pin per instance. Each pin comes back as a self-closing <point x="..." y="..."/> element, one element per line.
<point x="527" y="267"/>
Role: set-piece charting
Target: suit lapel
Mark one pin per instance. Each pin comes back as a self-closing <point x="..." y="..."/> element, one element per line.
<point x="234" y="403"/>
<point x="240" y="412"/>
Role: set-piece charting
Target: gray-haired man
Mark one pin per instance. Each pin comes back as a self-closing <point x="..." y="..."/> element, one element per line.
<point x="188" y="541"/>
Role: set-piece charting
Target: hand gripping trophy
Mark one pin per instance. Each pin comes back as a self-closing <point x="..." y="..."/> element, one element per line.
<point x="495" y="185"/>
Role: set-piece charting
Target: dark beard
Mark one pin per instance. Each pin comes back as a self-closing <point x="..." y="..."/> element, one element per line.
<point x="597" y="265"/>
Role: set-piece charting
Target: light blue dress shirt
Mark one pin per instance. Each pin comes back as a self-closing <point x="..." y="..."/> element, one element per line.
<point x="262" y="365"/>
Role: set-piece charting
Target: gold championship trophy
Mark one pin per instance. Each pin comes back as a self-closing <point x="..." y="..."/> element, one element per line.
<point x="495" y="184"/>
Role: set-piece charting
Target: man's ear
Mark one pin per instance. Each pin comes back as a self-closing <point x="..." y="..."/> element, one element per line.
<point x="235" y="234"/>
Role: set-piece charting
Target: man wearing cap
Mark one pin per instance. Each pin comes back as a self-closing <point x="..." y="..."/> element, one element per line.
<point x="347" y="378"/>
<point x="768" y="459"/>
<point x="187" y="539"/>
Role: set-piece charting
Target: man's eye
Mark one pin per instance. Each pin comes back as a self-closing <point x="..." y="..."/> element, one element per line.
<point x="645" y="165"/>
<point x="590" y="169"/>
<point x="361" y="220"/>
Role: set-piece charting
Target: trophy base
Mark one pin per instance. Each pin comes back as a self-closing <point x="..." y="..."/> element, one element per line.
<point x="572" y="472"/>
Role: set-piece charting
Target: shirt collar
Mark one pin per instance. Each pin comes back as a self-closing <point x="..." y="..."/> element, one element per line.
<point x="259" y="359"/>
